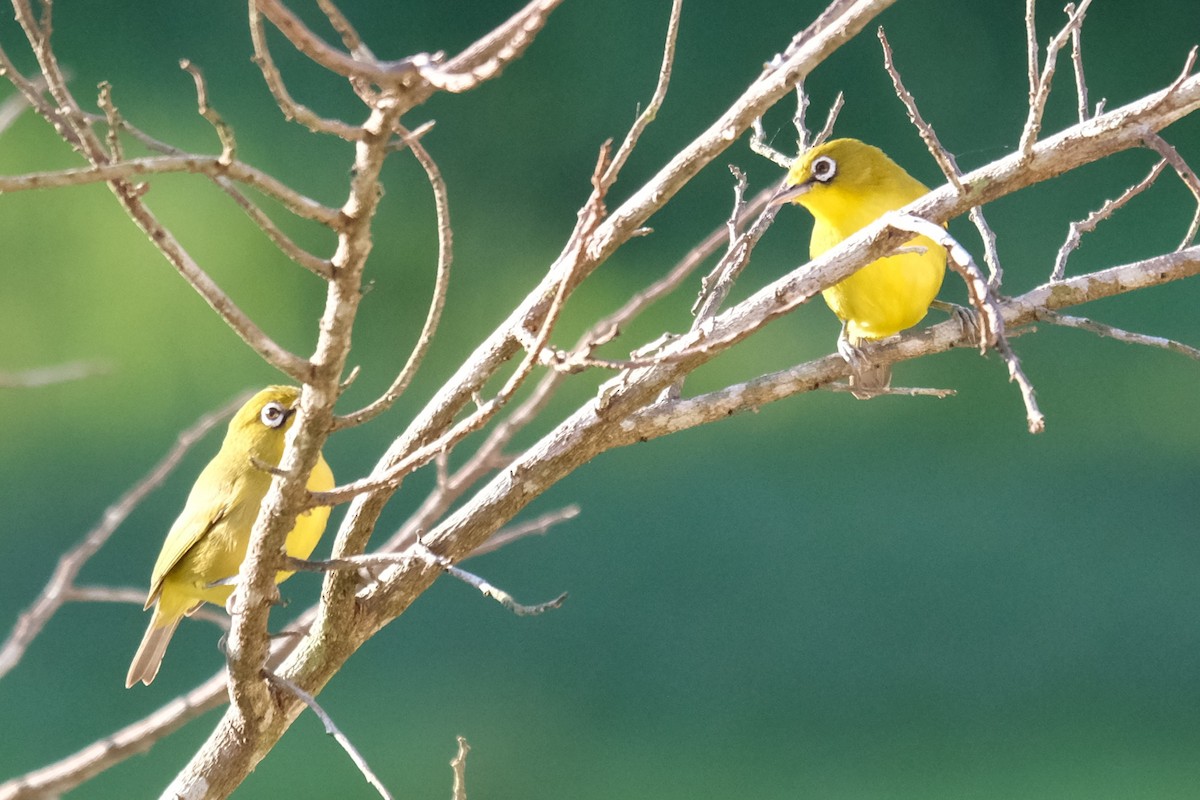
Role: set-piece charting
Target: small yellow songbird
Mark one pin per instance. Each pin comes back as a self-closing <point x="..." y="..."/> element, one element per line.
<point x="847" y="185"/>
<point x="208" y="541"/>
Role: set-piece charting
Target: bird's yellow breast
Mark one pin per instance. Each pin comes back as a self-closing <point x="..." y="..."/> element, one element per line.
<point x="889" y="294"/>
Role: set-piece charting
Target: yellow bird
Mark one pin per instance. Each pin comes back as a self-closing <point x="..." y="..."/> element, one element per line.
<point x="846" y="185"/>
<point x="208" y="541"/>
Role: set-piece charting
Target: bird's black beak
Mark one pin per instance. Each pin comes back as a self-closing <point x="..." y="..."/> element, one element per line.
<point x="789" y="193"/>
<point x="289" y="413"/>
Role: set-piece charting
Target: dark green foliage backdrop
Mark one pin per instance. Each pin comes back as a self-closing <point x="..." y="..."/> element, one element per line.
<point x="906" y="598"/>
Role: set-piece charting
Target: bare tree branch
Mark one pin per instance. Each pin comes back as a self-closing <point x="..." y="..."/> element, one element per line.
<point x="1108" y="331"/>
<point x="333" y="730"/>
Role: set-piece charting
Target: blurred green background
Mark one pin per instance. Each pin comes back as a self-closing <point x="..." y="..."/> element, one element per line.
<point x="906" y="598"/>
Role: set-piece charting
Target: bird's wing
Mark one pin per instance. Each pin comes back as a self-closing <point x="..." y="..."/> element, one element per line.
<point x="207" y="505"/>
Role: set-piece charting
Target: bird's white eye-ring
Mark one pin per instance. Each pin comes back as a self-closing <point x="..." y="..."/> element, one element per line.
<point x="823" y="168"/>
<point x="273" y="415"/>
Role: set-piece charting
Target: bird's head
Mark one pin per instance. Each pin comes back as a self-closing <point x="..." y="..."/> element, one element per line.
<point x="842" y="175"/>
<point x="259" y="427"/>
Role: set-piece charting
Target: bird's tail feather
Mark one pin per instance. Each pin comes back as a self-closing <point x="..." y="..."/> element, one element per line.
<point x="150" y="653"/>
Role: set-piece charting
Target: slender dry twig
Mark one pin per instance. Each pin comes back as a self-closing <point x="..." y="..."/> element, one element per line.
<point x="58" y="590"/>
<point x="799" y="119"/>
<point x="137" y="597"/>
<point x="830" y="120"/>
<point x="715" y="286"/>
<point x="332" y="729"/>
<point x="1031" y="48"/>
<point x="350" y="37"/>
<point x="1081" y="89"/>
<point x="136" y="168"/>
<point x="368" y="560"/>
<point x="1108" y="331"/>
<point x="48" y="376"/>
<point x="459" y="765"/>
<point x="898" y="391"/>
<point x="488" y="56"/>
<point x="945" y="160"/>
<point x="224" y="131"/>
<point x="991" y="256"/>
<point x="1185" y="173"/>
<point x="502" y="597"/>
<point x="1040" y="89"/>
<point x="538" y="526"/>
<point x="314" y="264"/>
<point x="441" y="285"/>
<point x="656" y="100"/>
<point x="759" y="145"/>
<point x="942" y="156"/>
<point x="11" y="109"/>
<point x="1076" y="229"/>
<point x="985" y="301"/>
<point x="292" y="110"/>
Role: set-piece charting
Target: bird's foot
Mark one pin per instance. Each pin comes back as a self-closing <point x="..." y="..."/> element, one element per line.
<point x="968" y="319"/>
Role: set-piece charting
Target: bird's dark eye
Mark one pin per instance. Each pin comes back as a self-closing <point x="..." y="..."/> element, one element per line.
<point x="823" y="169"/>
<point x="273" y="415"/>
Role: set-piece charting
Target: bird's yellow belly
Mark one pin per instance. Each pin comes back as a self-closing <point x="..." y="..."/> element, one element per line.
<point x="890" y="294"/>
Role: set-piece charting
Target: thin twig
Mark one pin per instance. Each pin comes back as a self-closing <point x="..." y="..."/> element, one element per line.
<point x="656" y="100"/>
<point x="224" y="131"/>
<point x="985" y="301"/>
<point x="1040" y="89"/>
<point x="332" y="729"/>
<point x="293" y="111"/>
<point x="1081" y="89"/>
<point x="940" y="154"/>
<point x="537" y="526"/>
<point x="502" y="597"/>
<point x="759" y="145"/>
<point x="1185" y="173"/>
<point x="491" y="53"/>
<point x="1031" y="48"/>
<point x="441" y="285"/>
<point x="830" y="120"/>
<point x="12" y="107"/>
<point x="135" y="168"/>
<point x="715" y="287"/>
<point x="48" y="376"/>
<point x="350" y="38"/>
<point x="58" y="590"/>
<point x="1034" y="418"/>
<point x="1076" y="229"/>
<point x="991" y="256"/>
<point x="459" y="765"/>
<point x="137" y="597"/>
<point x="898" y="391"/>
<point x="113" y="118"/>
<point x="1129" y="337"/>
<point x="945" y="160"/>
<point x="800" y="119"/>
